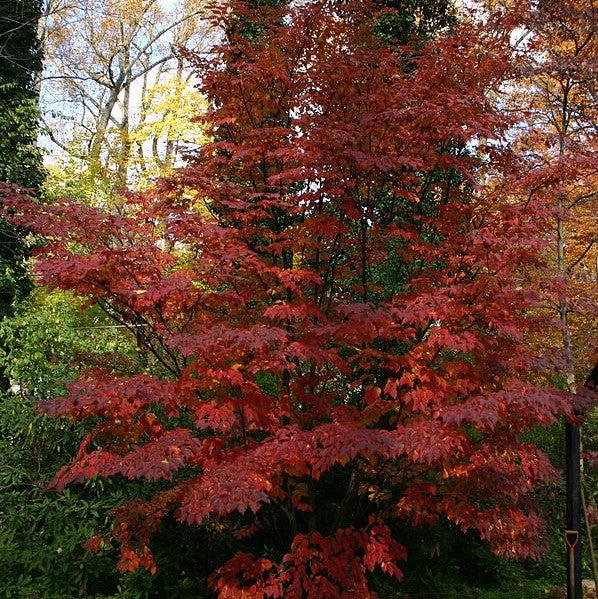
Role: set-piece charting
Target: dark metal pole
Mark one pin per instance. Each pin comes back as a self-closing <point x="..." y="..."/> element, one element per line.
<point x="575" y="503"/>
<point x="573" y="511"/>
<point x="573" y="498"/>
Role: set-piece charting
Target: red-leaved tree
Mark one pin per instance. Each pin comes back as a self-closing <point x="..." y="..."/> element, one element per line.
<point x="335" y="294"/>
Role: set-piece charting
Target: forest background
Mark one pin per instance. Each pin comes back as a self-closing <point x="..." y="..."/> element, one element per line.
<point x="100" y="96"/>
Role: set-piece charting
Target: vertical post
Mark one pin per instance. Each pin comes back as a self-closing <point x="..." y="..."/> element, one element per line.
<point x="573" y="511"/>
<point x="591" y="385"/>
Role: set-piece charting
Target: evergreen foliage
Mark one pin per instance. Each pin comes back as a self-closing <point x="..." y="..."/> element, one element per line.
<point x="20" y="159"/>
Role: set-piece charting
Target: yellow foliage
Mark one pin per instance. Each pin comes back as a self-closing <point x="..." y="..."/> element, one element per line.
<point x="167" y="127"/>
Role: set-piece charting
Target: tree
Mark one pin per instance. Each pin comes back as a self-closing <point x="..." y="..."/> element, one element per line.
<point x="166" y="128"/>
<point x="102" y="61"/>
<point x="557" y="106"/>
<point x="20" y="159"/>
<point x="559" y="145"/>
<point x="402" y="21"/>
<point x="20" y="60"/>
<point x="323" y="364"/>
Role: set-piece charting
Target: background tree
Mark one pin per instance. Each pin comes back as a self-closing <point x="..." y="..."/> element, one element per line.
<point x="20" y="159"/>
<point x="166" y="127"/>
<point x="102" y="61"/>
<point x="558" y="109"/>
<point x="402" y="21"/>
<point x="20" y="61"/>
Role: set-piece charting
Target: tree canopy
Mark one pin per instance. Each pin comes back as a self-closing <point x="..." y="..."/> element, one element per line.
<point x="20" y="158"/>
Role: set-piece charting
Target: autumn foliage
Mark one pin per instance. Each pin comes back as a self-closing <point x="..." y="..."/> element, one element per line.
<point x="336" y="293"/>
<point x="557" y="110"/>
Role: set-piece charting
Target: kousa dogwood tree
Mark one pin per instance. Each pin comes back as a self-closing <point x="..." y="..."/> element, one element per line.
<point x="335" y="293"/>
